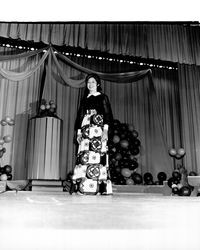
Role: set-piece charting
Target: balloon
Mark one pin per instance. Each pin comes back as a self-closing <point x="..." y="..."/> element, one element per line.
<point x="178" y="156"/>
<point x="8" y="119"/>
<point x="11" y="122"/>
<point x="9" y="177"/>
<point x="136" y="142"/>
<point x="47" y="106"/>
<point x="124" y="126"/>
<point x="172" y="152"/>
<point x="137" y="178"/>
<point x="176" y="175"/>
<point x="135" y="133"/>
<point x="51" y="102"/>
<point x="135" y="151"/>
<point x="126" y="172"/>
<point x="123" y="136"/>
<point x="118" y="169"/>
<point x="116" y="139"/>
<point x="133" y="165"/>
<point x="42" y="107"/>
<point x="175" y="190"/>
<point x="52" y="110"/>
<point x="148" y="177"/>
<point x="185" y="191"/>
<point x="118" y="156"/>
<point x="116" y="122"/>
<point x="3" y="123"/>
<point x="3" y="177"/>
<point x="53" y="106"/>
<point x="170" y="182"/>
<point x="130" y="127"/>
<point x="1" y="141"/>
<point x="132" y="157"/>
<point x="129" y="182"/>
<point x="181" y="151"/>
<point x="7" y="169"/>
<point x="124" y="143"/>
<point x="162" y="176"/>
<point x="7" y="138"/>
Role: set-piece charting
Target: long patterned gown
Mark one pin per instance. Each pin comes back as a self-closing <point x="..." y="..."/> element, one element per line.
<point x="91" y="173"/>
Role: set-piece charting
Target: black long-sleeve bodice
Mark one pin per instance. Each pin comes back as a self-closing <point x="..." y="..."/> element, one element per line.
<point x="100" y="103"/>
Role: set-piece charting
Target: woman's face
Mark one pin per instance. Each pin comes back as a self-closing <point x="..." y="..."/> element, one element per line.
<point x="92" y="84"/>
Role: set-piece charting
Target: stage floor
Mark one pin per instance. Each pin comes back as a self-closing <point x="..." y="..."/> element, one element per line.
<point x="41" y="220"/>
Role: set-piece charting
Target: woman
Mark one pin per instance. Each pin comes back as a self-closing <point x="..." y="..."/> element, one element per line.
<point x="91" y="173"/>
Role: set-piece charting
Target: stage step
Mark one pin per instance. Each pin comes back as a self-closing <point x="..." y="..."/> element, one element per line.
<point x="153" y="189"/>
<point x="46" y="182"/>
<point x="47" y="188"/>
<point x="47" y="185"/>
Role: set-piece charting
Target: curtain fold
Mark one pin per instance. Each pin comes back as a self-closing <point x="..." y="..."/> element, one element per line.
<point x="18" y="101"/>
<point x="189" y="90"/>
<point x="168" y="42"/>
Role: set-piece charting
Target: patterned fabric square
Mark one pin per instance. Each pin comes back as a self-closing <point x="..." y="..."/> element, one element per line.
<point x="84" y="145"/>
<point x="88" y="186"/>
<point x="97" y="119"/>
<point x="94" y="158"/>
<point x="95" y="144"/>
<point x="95" y="131"/>
<point x="93" y="171"/>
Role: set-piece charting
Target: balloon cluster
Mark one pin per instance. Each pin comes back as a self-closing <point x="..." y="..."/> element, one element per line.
<point x="124" y="147"/>
<point x="178" y="182"/>
<point x="6" y="138"/>
<point x="6" y="173"/>
<point x="47" y="108"/>
<point x="7" y="121"/>
<point x="178" y="154"/>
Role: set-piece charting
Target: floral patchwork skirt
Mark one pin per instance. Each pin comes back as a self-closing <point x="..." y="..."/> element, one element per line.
<point x="91" y="173"/>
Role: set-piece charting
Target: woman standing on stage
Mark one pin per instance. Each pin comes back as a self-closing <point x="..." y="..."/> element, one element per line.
<point x="91" y="173"/>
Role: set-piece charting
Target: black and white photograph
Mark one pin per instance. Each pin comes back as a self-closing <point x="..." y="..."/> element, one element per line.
<point x="99" y="126"/>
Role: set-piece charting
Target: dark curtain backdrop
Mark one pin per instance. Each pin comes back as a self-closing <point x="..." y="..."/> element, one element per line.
<point x="189" y="89"/>
<point x="165" y="117"/>
<point x="171" y="42"/>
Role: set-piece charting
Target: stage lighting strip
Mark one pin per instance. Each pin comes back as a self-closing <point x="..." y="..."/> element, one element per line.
<point x="107" y="58"/>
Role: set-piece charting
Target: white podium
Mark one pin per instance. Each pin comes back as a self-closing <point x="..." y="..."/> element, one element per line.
<point x="43" y="148"/>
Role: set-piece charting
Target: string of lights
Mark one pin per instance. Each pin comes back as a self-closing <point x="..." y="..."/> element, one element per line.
<point x="90" y="54"/>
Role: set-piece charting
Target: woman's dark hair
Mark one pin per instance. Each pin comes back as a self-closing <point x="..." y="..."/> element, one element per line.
<point x="98" y="80"/>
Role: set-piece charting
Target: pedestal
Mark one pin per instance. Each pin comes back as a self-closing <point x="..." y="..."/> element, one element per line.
<point x="43" y="148"/>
